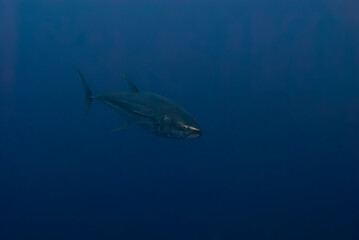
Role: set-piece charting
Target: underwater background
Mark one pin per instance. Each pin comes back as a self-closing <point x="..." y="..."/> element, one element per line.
<point x="274" y="85"/>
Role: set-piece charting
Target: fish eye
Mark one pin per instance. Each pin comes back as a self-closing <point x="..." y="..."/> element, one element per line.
<point x="181" y="125"/>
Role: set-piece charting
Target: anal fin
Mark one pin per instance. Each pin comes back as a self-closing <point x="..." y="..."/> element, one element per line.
<point x="123" y="126"/>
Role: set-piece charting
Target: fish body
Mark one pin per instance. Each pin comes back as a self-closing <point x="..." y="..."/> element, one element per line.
<point x="154" y="113"/>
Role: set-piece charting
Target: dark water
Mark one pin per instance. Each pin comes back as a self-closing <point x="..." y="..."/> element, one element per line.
<point x="274" y="85"/>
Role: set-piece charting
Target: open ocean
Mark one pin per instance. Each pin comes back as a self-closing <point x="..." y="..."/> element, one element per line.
<point x="273" y="84"/>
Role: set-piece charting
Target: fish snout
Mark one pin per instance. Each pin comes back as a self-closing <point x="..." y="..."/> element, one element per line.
<point x="196" y="132"/>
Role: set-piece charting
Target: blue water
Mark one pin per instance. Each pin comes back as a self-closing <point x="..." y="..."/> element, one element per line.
<point x="274" y="85"/>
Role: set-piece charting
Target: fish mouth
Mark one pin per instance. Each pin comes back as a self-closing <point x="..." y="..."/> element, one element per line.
<point x="195" y="133"/>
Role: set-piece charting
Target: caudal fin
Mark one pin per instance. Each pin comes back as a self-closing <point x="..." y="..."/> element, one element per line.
<point x="88" y="92"/>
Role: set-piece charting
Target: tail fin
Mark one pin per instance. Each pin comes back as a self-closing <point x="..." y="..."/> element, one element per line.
<point x="88" y="93"/>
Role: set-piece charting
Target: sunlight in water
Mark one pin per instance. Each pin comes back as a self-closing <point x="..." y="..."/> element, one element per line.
<point x="8" y="33"/>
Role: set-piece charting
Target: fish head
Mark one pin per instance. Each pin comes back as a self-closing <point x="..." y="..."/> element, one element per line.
<point x="181" y="126"/>
<point x="188" y="130"/>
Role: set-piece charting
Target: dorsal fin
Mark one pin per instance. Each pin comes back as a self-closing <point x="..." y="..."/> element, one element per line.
<point x="132" y="85"/>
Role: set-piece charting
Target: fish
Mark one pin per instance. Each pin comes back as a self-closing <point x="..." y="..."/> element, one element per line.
<point x="154" y="113"/>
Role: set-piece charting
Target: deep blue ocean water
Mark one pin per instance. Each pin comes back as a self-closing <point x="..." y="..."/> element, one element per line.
<point x="274" y="85"/>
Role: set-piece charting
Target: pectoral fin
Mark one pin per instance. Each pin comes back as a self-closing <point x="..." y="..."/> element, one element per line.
<point x="123" y="126"/>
